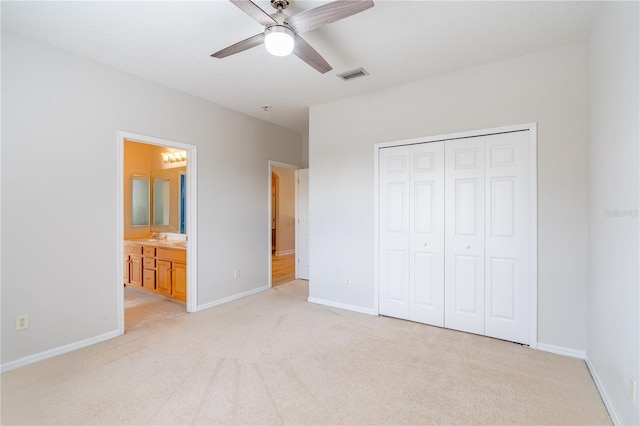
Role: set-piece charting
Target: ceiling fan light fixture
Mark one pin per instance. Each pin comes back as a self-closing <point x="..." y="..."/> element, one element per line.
<point x="278" y="39"/>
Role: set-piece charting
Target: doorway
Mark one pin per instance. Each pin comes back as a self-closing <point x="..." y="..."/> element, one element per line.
<point x="282" y="219"/>
<point x="165" y="267"/>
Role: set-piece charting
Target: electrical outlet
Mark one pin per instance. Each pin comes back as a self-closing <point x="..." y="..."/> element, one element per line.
<point x="633" y="389"/>
<point x="236" y="273"/>
<point x="22" y="322"/>
<point x="347" y="282"/>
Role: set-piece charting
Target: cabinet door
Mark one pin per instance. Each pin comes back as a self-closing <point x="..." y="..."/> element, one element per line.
<point x="149" y="279"/>
<point x="164" y="277"/>
<point x="179" y="280"/>
<point x="126" y="268"/>
<point x="135" y="270"/>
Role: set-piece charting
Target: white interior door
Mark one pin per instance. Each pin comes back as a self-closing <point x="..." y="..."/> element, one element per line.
<point x="507" y="237"/>
<point x="464" y="234"/>
<point x="394" y="231"/>
<point x="426" y="225"/>
<point x="455" y="222"/>
<point x="302" y="224"/>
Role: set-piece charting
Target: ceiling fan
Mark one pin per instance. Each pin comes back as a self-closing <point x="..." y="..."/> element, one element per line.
<point x="281" y="32"/>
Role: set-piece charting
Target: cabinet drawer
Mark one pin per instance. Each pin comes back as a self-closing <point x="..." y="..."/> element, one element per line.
<point x="175" y="255"/>
<point x="149" y="251"/>
<point x="133" y="249"/>
<point x="149" y="262"/>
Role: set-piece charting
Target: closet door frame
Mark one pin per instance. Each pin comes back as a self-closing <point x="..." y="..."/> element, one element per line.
<point x="533" y="209"/>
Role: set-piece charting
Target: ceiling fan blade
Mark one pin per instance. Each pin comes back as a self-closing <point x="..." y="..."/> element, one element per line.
<point x="240" y="46"/>
<point x="326" y="14"/>
<point x="253" y="10"/>
<point x="304" y="51"/>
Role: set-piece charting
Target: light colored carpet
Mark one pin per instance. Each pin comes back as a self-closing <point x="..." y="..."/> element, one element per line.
<point x="273" y="358"/>
<point x="142" y="308"/>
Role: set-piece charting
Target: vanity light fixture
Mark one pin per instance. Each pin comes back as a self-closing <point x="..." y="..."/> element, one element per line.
<point x="174" y="157"/>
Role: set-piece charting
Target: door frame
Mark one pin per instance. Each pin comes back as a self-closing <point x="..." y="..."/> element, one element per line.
<point x="275" y="188"/>
<point x="192" y="217"/>
<point x="273" y="164"/>
<point x="533" y="209"/>
<point x="298" y="231"/>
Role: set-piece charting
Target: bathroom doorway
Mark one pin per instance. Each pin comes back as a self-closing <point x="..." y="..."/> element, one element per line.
<point x="157" y="229"/>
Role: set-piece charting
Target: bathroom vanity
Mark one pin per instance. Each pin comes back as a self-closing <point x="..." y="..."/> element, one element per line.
<point x="158" y="266"/>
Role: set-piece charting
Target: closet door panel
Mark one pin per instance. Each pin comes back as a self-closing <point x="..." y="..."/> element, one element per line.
<point x="426" y="221"/>
<point x="454" y="234"/>
<point x="466" y="285"/>
<point x="394" y="187"/>
<point x="507" y="282"/>
<point x="464" y="235"/>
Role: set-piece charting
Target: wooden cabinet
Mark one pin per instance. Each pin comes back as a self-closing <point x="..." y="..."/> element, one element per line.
<point x="133" y="265"/>
<point x="149" y="264"/>
<point x="149" y="279"/>
<point x="135" y="271"/>
<point x="126" y="268"/>
<point x="179" y="278"/>
<point x="172" y="272"/>
<point x="162" y="270"/>
<point x="164" y="277"/>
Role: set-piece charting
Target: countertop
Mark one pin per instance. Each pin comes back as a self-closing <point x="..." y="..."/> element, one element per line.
<point x="177" y="244"/>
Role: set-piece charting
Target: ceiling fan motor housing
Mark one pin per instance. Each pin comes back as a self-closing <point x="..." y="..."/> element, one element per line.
<point x="280" y="4"/>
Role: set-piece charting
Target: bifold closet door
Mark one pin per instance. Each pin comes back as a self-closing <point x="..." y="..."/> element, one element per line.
<point x="487" y="235"/>
<point x="464" y="234"/>
<point x="507" y="237"/>
<point x="426" y="233"/>
<point x="454" y="234"/>
<point x="394" y="231"/>
<point x="411" y="189"/>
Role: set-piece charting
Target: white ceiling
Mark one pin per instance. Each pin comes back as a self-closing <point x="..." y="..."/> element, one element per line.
<point x="395" y="41"/>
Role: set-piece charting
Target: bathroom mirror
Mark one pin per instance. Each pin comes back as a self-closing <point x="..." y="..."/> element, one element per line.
<point x="161" y="201"/>
<point x="168" y="200"/>
<point x="140" y="201"/>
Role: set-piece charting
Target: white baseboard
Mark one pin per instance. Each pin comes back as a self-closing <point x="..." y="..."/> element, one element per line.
<point x="603" y="393"/>
<point x="360" y="309"/>
<point x="286" y="252"/>
<point x="12" y="365"/>
<point x="232" y="298"/>
<point x="560" y="350"/>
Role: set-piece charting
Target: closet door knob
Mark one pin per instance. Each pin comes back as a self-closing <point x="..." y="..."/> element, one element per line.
<point x="425" y="244"/>
<point x="468" y="247"/>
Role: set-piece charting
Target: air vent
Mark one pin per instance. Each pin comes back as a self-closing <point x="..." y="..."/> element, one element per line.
<point x="350" y="75"/>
